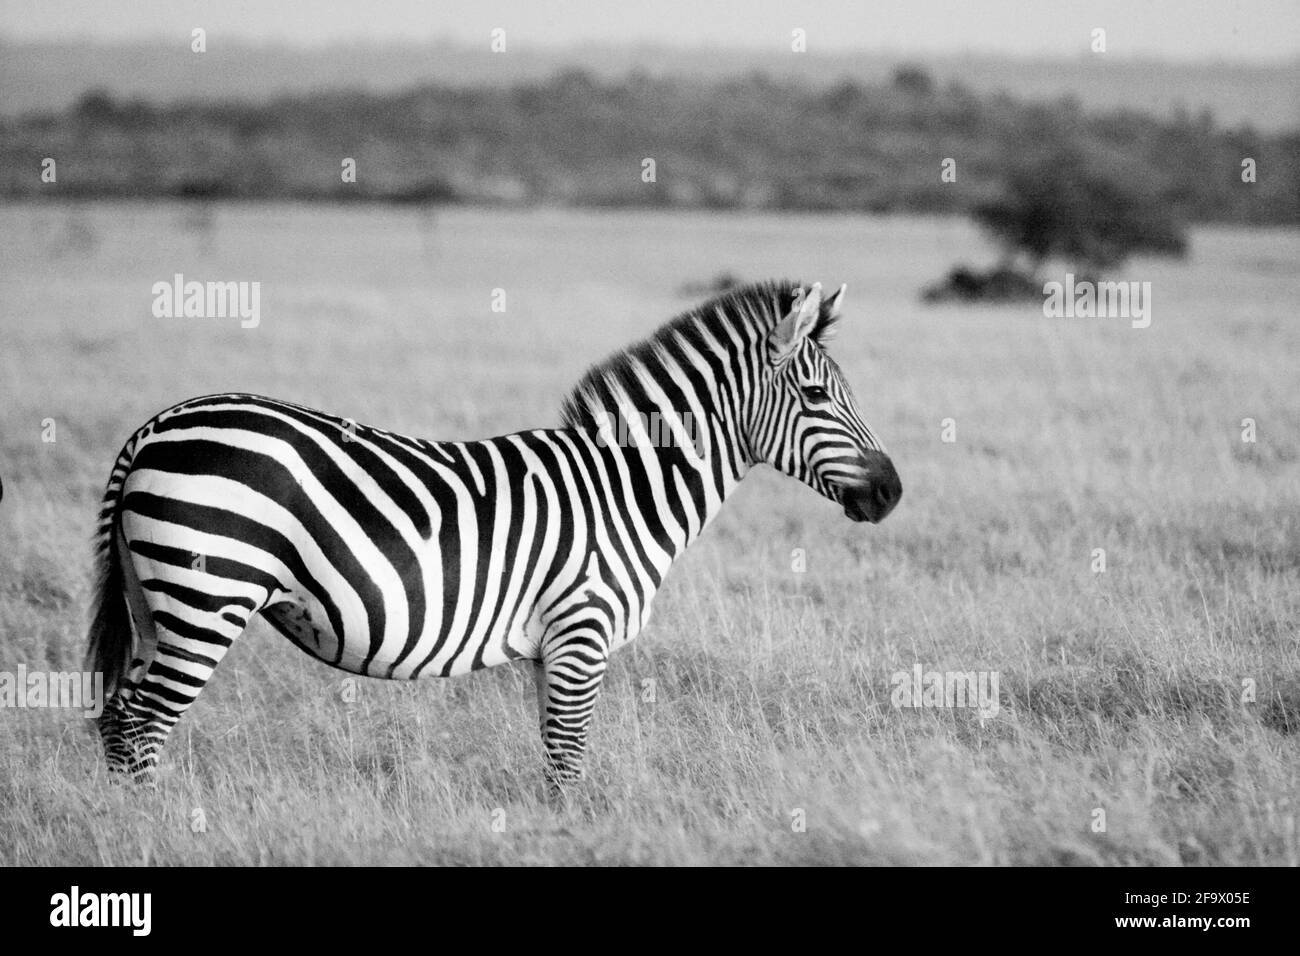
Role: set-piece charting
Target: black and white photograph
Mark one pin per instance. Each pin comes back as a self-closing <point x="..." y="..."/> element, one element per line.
<point x="553" y="433"/>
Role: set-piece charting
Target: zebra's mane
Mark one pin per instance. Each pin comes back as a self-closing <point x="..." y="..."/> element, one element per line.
<point x="751" y="311"/>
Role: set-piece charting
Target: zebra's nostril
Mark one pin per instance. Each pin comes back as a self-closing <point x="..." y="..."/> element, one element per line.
<point x="883" y="488"/>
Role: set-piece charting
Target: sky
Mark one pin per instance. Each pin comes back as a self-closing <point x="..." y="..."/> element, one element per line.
<point x="1229" y="30"/>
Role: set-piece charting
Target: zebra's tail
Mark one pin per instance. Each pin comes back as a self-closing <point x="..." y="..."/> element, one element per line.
<point x="111" y="643"/>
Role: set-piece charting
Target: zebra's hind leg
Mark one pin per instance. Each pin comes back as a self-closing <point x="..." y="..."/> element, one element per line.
<point x="190" y="645"/>
<point x="118" y="735"/>
<point x="119" y="726"/>
<point x="569" y="675"/>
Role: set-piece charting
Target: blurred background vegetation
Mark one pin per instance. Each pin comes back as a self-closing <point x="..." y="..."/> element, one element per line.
<point x="753" y="141"/>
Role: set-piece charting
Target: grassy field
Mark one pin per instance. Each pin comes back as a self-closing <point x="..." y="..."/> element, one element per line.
<point x="767" y="735"/>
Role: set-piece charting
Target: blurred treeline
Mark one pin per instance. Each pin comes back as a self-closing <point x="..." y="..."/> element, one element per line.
<point x="748" y="143"/>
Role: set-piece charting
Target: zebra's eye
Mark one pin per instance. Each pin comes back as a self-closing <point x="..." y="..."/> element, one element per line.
<point x="815" y="393"/>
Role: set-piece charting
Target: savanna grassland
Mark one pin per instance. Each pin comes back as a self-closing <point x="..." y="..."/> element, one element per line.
<point x="759" y="696"/>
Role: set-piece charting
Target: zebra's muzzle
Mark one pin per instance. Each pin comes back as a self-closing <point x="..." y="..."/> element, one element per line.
<point x="875" y="496"/>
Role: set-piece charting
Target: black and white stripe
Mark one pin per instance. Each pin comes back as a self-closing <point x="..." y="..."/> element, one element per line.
<point x="394" y="557"/>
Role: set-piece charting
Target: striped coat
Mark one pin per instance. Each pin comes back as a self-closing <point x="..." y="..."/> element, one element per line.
<point x="396" y="557"/>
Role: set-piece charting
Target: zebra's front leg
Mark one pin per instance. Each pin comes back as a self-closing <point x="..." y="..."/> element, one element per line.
<point x="568" y="680"/>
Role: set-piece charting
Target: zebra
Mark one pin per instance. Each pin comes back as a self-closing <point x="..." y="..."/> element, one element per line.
<point x="397" y="557"/>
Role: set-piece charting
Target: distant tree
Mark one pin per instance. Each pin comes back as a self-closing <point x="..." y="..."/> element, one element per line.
<point x="1081" y="209"/>
<point x="96" y="104"/>
<point x="843" y="96"/>
<point x="913" y="79"/>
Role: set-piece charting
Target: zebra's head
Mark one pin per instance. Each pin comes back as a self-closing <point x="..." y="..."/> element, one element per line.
<point x="805" y="420"/>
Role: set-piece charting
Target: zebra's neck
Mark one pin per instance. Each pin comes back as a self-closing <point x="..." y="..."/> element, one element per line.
<point x="681" y="455"/>
<point x="673" y="407"/>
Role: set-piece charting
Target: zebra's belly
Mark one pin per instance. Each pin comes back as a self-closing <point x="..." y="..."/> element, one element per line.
<point x="304" y="623"/>
<point x="446" y="648"/>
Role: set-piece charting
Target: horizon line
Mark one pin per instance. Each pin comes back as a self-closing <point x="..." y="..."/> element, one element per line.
<point x="699" y="47"/>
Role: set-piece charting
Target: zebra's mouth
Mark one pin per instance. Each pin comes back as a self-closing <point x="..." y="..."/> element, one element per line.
<point x="855" y="511"/>
<point x="872" y="506"/>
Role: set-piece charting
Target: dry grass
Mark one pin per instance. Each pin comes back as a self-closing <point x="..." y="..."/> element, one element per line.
<point x="771" y="693"/>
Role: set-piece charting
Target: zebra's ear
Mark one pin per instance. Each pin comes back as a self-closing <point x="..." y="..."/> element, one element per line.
<point x="828" y="320"/>
<point x="836" y="301"/>
<point x="790" y="332"/>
